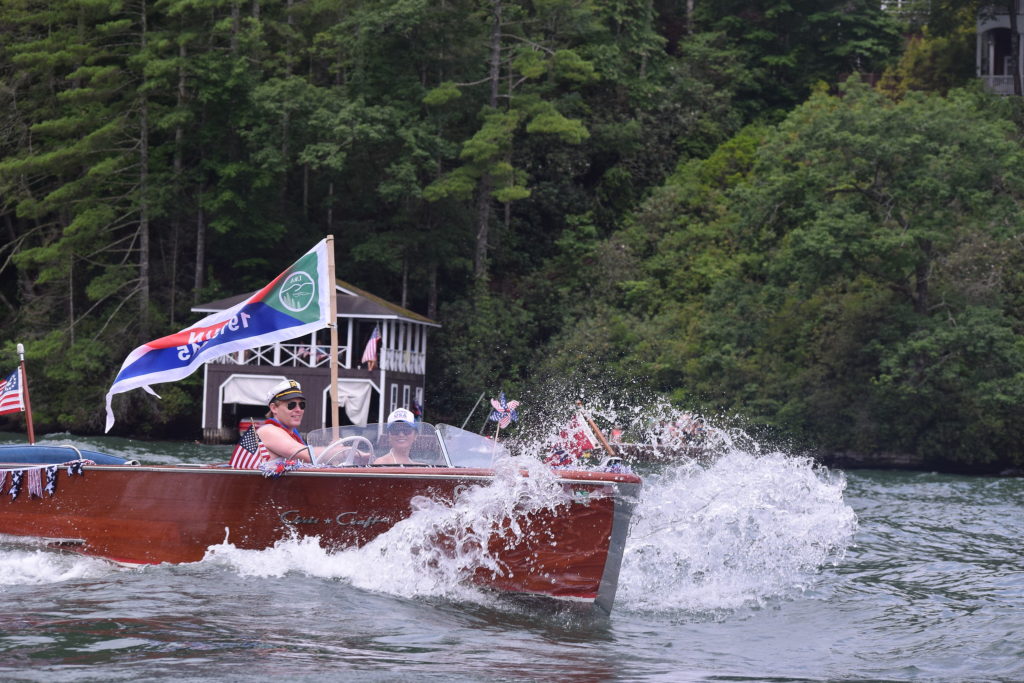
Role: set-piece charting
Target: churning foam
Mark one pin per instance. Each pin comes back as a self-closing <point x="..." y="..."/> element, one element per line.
<point x="733" y="532"/>
<point x="432" y="553"/>
<point x="739" y="528"/>
<point x="20" y="567"/>
<point x="736" y="531"/>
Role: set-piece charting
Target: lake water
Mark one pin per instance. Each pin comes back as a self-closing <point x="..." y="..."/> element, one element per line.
<point x="753" y="567"/>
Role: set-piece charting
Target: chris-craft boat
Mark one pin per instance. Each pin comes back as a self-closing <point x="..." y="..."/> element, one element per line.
<point x="102" y="505"/>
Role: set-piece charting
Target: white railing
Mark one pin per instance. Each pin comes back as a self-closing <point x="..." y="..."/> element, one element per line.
<point x="303" y="355"/>
<point x="1000" y="85"/>
<point x="284" y="355"/>
<point x="404" y="361"/>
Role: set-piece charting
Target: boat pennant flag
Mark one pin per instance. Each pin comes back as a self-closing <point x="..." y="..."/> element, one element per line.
<point x="12" y="400"/>
<point x="294" y="303"/>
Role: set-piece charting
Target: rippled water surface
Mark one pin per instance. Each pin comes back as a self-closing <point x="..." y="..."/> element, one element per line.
<point x="749" y="568"/>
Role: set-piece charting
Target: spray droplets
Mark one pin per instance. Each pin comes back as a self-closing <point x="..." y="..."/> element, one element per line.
<point x="731" y="524"/>
<point x="734" y="533"/>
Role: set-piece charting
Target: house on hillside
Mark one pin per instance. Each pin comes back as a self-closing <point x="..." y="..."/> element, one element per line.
<point x="235" y="386"/>
<point x="994" y="49"/>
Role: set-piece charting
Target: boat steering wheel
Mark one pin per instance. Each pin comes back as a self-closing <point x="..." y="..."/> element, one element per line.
<point x="350" y="450"/>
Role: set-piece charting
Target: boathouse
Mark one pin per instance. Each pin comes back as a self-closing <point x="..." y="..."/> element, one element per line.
<point x="996" y="61"/>
<point x="235" y="386"/>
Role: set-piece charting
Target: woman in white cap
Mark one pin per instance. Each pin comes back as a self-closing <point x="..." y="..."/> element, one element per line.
<point x="280" y="434"/>
<point x="401" y="430"/>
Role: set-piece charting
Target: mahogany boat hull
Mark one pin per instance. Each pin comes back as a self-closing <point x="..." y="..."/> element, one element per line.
<point x="154" y="514"/>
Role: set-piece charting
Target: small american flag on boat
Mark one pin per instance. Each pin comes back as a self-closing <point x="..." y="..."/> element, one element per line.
<point x="11" y="398"/>
<point x="249" y="452"/>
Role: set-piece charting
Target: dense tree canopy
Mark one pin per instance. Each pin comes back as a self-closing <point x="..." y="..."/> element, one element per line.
<point x="846" y="275"/>
<point x="680" y="195"/>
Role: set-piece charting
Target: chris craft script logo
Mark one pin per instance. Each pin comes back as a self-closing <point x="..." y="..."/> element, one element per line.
<point x="341" y="519"/>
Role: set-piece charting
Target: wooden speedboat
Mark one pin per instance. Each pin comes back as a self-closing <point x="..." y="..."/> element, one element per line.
<point x="570" y="548"/>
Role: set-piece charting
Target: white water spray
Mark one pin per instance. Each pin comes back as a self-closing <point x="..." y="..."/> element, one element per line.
<point x="708" y="534"/>
<point x="433" y="553"/>
<point x="23" y="567"/>
<point x="736" y="532"/>
<point x="739" y="525"/>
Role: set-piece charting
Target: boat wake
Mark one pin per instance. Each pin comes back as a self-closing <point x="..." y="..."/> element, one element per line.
<point x="710" y="534"/>
<point x="431" y="554"/>
<point x="21" y="566"/>
<point x="706" y="537"/>
<point x="733" y="532"/>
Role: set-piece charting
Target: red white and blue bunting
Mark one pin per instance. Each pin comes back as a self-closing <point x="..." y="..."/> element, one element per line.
<point x="36" y="488"/>
<point x="275" y="468"/>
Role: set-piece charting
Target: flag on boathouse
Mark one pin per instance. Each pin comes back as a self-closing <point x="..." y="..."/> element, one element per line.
<point x="294" y="303"/>
<point x="249" y="452"/>
<point x="11" y="398"/>
<point x="370" y="352"/>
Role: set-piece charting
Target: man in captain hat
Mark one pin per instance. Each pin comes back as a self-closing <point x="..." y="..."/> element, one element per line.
<point x="286" y="405"/>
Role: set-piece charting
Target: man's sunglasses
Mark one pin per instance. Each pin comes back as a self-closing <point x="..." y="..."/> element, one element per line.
<point x="291" y="405"/>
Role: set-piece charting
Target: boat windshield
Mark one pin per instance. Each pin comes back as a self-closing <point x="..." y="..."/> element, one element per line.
<point x="373" y="445"/>
<point x="469" y="449"/>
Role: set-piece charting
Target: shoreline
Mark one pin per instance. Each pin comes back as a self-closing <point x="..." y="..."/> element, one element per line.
<point x="910" y="462"/>
<point x="845" y="460"/>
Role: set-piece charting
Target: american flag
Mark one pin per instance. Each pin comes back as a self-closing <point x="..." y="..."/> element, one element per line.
<point x="576" y="437"/>
<point x="11" y="400"/>
<point x="370" y="352"/>
<point x="249" y="452"/>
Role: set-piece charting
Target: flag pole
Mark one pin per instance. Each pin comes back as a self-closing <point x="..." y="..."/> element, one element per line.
<point x="474" y="409"/>
<point x="597" y="431"/>
<point x="333" y="325"/>
<point x="24" y="390"/>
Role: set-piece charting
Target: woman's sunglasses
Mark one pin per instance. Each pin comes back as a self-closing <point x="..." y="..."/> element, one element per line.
<point x="401" y="431"/>
<point x="291" y="405"/>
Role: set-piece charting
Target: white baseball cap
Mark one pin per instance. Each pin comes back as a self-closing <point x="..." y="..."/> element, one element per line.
<point x="402" y="415"/>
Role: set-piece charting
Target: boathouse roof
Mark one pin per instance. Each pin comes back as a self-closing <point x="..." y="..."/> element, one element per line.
<point x="353" y="302"/>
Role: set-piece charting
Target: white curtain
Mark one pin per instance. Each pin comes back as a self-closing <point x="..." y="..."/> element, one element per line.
<point x="355" y="398"/>
<point x="248" y="389"/>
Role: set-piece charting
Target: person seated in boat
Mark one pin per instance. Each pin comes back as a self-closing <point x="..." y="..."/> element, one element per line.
<point x="401" y="430"/>
<point x="286" y="405"/>
<point x="304" y="352"/>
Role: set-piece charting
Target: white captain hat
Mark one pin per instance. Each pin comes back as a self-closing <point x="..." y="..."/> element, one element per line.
<point x="284" y="390"/>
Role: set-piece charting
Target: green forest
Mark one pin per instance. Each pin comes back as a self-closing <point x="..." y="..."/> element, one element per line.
<point x="801" y="213"/>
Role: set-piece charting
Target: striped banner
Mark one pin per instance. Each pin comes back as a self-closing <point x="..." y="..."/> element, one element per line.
<point x="296" y="302"/>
